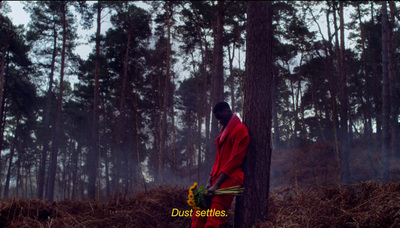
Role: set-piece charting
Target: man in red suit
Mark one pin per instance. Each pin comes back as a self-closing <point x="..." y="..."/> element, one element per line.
<point x="232" y="144"/>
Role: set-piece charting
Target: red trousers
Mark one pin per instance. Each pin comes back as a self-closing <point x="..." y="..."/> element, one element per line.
<point x="218" y="203"/>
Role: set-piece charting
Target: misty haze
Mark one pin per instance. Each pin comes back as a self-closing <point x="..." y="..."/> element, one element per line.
<point x="125" y="114"/>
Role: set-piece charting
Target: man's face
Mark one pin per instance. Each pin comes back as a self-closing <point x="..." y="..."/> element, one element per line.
<point x="223" y="117"/>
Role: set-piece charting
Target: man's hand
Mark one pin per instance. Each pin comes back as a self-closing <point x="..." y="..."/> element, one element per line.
<point x="212" y="189"/>
<point x="221" y="179"/>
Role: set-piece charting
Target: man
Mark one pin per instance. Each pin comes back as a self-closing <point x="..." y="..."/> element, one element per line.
<point x="232" y="144"/>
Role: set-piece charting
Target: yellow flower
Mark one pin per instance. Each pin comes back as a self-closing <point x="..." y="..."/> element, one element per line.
<point x="191" y="203"/>
<point x="191" y="196"/>
<point x="193" y="186"/>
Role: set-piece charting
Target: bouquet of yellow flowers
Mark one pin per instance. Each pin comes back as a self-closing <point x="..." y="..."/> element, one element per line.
<point x="198" y="196"/>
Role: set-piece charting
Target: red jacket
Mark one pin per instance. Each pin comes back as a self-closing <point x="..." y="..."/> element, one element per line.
<point x="232" y="144"/>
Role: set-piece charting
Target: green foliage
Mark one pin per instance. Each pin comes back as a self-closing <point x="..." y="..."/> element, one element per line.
<point x="200" y="196"/>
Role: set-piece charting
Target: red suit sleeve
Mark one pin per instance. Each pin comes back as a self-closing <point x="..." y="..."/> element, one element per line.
<point x="238" y="153"/>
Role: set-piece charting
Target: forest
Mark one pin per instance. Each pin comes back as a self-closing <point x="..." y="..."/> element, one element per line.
<point x="136" y="114"/>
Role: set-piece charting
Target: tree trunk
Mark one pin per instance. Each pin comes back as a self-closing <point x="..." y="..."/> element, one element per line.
<point x="250" y="208"/>
<point x="3" y="64"/>
<point x="138" y="165"/>
<point x="94" y="156"/>
<point x="330" y="71"/>
<point x="385" y="97"/>
<point x="118" y="158"/>
<point x="57" y="130"/>
<point x="46" y="119"/>
<point x="204" y="107"/>
<point x="164" y="124"/>
<point x="275" y="121"/>
<point x="232" y="76"/>
<point x="2" y="81"/>
<point x="75" y="159"/>
<point x="367" y="109"/>
<point x="344" y="102"/>
<point x="10" y="163"/>
<point x="199" y="117"/>
<point x="393" y="82"/>
<point x="174" y="137"/>
<point x="218" y="76"/>
<point x="376" y="87"/>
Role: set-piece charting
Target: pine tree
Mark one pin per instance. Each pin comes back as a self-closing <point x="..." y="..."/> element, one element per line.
<point x="257" y="114"/>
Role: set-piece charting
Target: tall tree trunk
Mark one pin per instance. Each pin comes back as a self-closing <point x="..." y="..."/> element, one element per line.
<point x="318" y="111"/>
<point x="232" y="76"/>
<point x="367" y="109"/>
<point x="394" y="103"/>
<point x="334" y="92"/>
<point x="19" y="179"/>
<point x="46" y="119"/>
<point x="107" y="173"/>
<point x="164" y="124"/>
<point x="2" y="81"/>
<point x="385" y="97"/>
<point x="94" y="156"/>
<point x="377" y="88"/>
<point x="3" y="64"/>
<point x="57" y="130"/>
<point x="344" y="102"/>
<point x="207" y="110"/>
<point x="206" y="104"/>
<point x="118" y="158"/>
<point x="199" y="117"/>
<point x="75" y="160"/>
<point x="157" y="119"/>
<point x="275" y="121"/>
<point x="138" y="165"/>
<point x="174" y="135"/>
<point x="250" y="208"/>
<point x="10" y="163"/>
<point x="63" y="186"/>
<point x="218" y="75"/>
<point x="295" y="115"/>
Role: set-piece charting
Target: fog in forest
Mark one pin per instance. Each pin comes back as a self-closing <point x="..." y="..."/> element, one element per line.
<point x="136" y="112"/>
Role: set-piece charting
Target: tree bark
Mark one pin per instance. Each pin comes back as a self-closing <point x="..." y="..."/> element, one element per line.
<point x="3" y="62"/>
<point x="393" y="82"/>
<point x="12" y="152"/>
<point x="204" y="105"/>
<point x="94" y="157"/>
<point x="344" y="102"/>
<point x="275" y="121"/>
<point x="218" y="76"/>
<point x="377" y="93"/>
<point x="75" y="160"/>
<point x="330" y="69"/>
<point x="385" y="97"/>
<point x="46" y="119"/>
<point x="118" y="158"/>
<point x="2" y="82"/>
<point x="232" y="76"/>
<point x="251" y="207"/>
<point x="57" y="130"/>
<point x="367" y="105"/>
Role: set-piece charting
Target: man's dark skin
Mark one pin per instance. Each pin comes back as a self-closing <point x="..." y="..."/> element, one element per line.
<point x="223" y="117"/>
